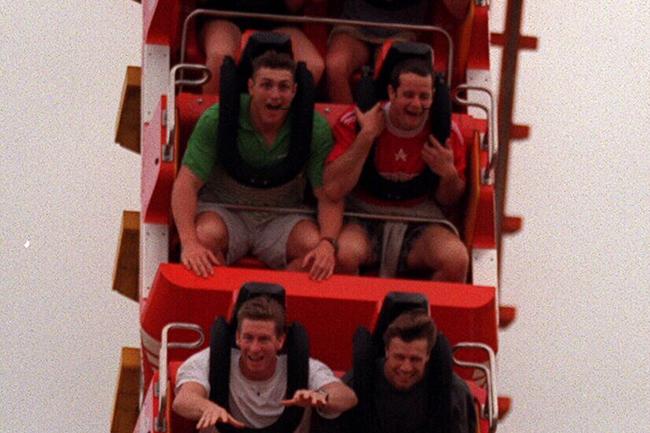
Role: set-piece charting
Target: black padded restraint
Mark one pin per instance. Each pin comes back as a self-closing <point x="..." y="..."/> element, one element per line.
<point x="220" y="337"/>
<point x="297" y="344"/>
<point x="302" y="112"/>
<point x="427" y="181"/>
<point x="439" y="376"/>
<point x="363" y="367"/>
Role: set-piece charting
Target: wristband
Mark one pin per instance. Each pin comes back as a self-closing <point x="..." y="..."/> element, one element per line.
<point x="332" y="242"/>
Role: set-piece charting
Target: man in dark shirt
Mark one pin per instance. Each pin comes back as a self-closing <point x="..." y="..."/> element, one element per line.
<point x="400" y="399"/>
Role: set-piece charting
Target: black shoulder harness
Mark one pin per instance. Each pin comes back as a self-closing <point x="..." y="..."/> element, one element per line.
<point x="422" y="184"/>
<point x="288" y="168"/>
<point x="297" y="344"/>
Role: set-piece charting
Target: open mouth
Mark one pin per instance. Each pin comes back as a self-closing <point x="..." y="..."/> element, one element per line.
<point x="255" y="359"/>
<point x="274" y="107"/>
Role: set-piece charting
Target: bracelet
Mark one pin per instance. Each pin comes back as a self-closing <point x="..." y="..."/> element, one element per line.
<point x="332" y="242"/>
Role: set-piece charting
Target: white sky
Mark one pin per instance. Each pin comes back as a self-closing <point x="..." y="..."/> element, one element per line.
<point x="576" y="360"/>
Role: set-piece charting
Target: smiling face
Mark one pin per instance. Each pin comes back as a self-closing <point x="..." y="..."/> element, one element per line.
<point x="272" y="91"/>
<point x="410" y="101"/>
<point x="405" y="362"/>
<point x="259" y="344"/>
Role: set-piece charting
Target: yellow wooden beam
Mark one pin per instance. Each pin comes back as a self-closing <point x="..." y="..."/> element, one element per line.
<point x="127" y="130"/>
<point x="127" y="262"/>
<point x="125" y="411"/>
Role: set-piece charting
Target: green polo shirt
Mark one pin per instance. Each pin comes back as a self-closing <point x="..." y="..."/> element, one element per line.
<point x="201" y="154"/>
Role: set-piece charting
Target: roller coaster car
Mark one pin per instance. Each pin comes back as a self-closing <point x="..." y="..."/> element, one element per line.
<point x="331" y="310"/>
<point x="324" y="312"/>
<point x="475" y="217"/>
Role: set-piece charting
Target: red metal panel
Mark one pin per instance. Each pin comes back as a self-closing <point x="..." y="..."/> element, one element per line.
<point x="161" y="21"/>
<point x="331" y="310"/>
<point x="479" y="49"/>
<point x="157" y="176"/>
<point x="484" y="236"/>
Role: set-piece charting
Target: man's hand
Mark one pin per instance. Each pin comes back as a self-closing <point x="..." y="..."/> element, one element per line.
<point x="199" y="259"/>
<point x="371" y="122"/>
<point x="322" y="259"/>
<point x="439" y="158"/>
<point x="307" y="398"/>
<point x="214" y="414"/>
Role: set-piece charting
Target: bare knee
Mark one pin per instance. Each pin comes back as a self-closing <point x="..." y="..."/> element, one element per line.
<point x="316" y="66"/>
<point x="220" y="39"/>
<point x="305" y="51"/>
<point x="338" y="66"/>
<point x="303" y="238"/>
<point x="354" y="250"/>
<point x="453" y="264"/>
<point x="212" y="231"/>
<point x="440" y="250"/>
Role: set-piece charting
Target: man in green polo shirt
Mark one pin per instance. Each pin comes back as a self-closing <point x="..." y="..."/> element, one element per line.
<point x="212" y="235"/>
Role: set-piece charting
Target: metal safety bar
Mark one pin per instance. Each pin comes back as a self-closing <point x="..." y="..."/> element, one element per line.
<point x="319" y="20"/>
<point x="162" y="377"/>
<point x="170" y="117"/>
<point x="491" y="411"/>
<point x="309" y="211"/>
<point x="491" y="135"/>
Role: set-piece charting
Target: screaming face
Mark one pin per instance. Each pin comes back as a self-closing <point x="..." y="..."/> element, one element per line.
<point x="405" y="362"/>
<point x="259" y="345"/>
<point x="411" y="101"/>
<point x="272" y="91"/>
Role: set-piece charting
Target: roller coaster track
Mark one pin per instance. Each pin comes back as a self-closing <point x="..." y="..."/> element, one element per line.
<point x="512" y="42"/>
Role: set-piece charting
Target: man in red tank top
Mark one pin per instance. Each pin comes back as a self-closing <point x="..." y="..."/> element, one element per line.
<point x="397" y="136"/>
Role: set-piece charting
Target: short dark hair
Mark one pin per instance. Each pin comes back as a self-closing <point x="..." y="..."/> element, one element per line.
<point x="418" y="67"/>
<point x="412" y="325"/>
<point x="274" y="60"/>
<point x="262" y="308"/>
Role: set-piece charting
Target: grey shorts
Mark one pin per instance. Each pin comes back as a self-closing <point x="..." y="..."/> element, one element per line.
<point x="366" y="35"/>
<point x="375" y="232"/>
<point x="265" y="238"/>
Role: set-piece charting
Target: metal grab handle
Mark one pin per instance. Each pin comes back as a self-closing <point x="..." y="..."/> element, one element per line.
<point x="492" y="409"/>
<point x="162" y="377"/>
<point x="310" y="211"/>
<point x="492" y="145"/>
<point x="319" y="20"/>
<point x="170" y="116"/>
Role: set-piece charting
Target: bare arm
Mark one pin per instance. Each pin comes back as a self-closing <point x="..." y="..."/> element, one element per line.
<point x="330" y="220"/>
<point x="342" y="174"/>
<point x="184" y="203"/>
<point x="440" y="160"/>
<point x="331" y="399"/>
<point x="330" y="214"/>
<point x="340" y="397"/>
<point x="191" y="402"/>
<point x="450" y="189"/>
<point x="458" y="8"/>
